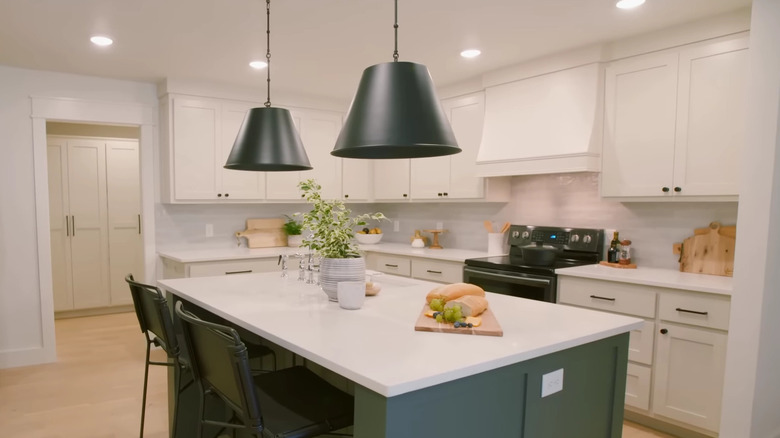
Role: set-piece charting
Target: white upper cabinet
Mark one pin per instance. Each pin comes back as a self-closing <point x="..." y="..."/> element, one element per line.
<point x="549" y="123"/>
<point x="674" y="123"/>
<point x="391" y="179"/>
<point x="195" y="133"/>
<point x="356" y="180"/>
<point x="236" y="184"/>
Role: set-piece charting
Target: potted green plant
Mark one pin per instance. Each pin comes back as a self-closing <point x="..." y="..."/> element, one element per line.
<point x="332" y="233"/>
<point x="293" y="229"/>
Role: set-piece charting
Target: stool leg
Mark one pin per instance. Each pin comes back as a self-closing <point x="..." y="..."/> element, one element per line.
<point x="146" y="380"/>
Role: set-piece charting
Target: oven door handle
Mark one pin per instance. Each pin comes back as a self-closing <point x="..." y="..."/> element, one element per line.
<point x="510" y="278"/>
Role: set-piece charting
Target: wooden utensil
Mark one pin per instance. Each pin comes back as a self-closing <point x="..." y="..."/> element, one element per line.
<point x="709" y="251"/>
<point x="488" y="226"/>
<point x="505" y="227"/>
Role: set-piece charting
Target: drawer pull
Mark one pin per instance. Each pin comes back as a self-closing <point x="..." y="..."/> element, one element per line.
<point x="691" y="311"/>
<point x="664" y="331"/>
<point x="238" y="272"/>
<point x="391" y="266"/>
<point x="433" y="272"/>
<point x="602" y="298"/>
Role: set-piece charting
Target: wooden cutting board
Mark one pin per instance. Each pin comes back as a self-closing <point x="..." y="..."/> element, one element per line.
<point x="709" y="251"/>
<point x="489" y="326"/>
<point x="264" y="233"/>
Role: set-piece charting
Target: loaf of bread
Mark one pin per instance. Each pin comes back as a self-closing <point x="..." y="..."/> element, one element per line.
<point x="449" y="292"/>
<point x="470" y="305"/>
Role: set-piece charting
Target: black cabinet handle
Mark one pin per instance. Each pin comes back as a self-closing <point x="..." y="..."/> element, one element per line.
<point x="67" y="226"/>
<point x="405" y="195"/>
<point x="690" y="311"/>
<point x="227" y="194"/>
<point x="238" y="272"/>
<point x="664" y="331"/>
<point x="602" y="298"/>
<point x="139" y="224"/>
<point x="665" y="189"/>
<point x="346" y="196"/>
<point x="391" y="266"/>
<point x="73" y="226"/>
<point x="678" y="189"/>
<point x="219" y="195"/>
<point x="440" y="195"/>
<point x="433" y="272"/>
<point x="445" y="194"/>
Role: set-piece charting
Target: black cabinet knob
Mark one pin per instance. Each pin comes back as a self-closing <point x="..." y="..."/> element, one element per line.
<point x="665" y="189"/>
<point x="227" y="194"/>
<point x="346" y="196"/>
<point x="445" y="194"/>
<point x="405" y="195"/>
<point x="664" y="331"/>
<point x="219" y="195"/>
<point x="678" y="189"/>
<point x="440" y="195"/>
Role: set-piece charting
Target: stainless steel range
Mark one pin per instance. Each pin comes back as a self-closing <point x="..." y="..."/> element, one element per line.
<point x="534" y="254"/>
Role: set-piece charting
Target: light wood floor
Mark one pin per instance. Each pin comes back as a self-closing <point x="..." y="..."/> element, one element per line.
<point x="94" y="389"/>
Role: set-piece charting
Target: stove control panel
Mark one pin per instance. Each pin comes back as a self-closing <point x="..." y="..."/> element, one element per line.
<point x="573" y="239"/>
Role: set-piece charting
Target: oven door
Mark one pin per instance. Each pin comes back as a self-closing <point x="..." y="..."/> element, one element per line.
<point x="516" y="284"/>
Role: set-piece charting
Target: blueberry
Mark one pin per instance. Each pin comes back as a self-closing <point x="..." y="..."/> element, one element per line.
<point x="457" y="324"/>
<point x="471" y="325"/>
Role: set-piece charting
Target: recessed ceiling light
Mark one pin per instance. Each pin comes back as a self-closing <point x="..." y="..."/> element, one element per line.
<point x="628" y="4"/>
<point x="258" y="64"/>
<point x="101" y="41"/>
<point x="471" y="53"/>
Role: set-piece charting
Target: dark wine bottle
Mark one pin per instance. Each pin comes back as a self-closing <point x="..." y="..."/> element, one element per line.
<point x="613" y="254"/>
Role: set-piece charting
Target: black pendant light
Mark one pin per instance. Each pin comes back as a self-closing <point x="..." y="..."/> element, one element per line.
<point x="396" y="114"/>
<point x="268" y="140"/>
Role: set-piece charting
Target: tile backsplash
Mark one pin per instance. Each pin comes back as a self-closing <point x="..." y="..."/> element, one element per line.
<point x="569" y="200"/>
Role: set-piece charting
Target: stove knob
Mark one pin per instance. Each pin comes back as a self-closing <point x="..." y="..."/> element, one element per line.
<point x="586" y="238"/>
<point x="515" y="234"/>
<point x="575" y="238"/>
<point x="526" y="234"/>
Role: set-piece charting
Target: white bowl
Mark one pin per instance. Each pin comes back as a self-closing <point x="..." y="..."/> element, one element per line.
<point x="368" y="239"/>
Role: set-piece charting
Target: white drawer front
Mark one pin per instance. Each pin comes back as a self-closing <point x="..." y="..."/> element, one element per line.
<point x="393" y="265"/>
<point x="640" y="344"/>
<point x="696" y="309"/>
<point x="638" y="386"/>
<point x="233" y="267"/>
<point x="437" y="271"/>
<point x="607" y="295"/>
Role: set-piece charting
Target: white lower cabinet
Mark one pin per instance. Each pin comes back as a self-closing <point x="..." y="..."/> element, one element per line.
<point x="677" y="359"/>
<point x="175" y="269"/>
<point x="441" y="271"/>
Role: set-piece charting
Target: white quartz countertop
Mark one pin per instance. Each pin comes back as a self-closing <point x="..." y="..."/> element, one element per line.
<point x="654" y="277"/>
<point x="200" y="254"/>
<point x="451" y="254"/>
<point x="377" y="346"/>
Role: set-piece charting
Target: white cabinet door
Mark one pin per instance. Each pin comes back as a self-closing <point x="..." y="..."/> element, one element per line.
<point x="711" y="118"/>
<point x="429" y="177"/>
<point x="89" y="231"/>
<point x="466" y="115"/>
<point x="236" y="184"/>
<point x="319" y="131"/>
<point x="124" y="217"/>
<point x="638" y="149"/>
<point x="391" y="179"/>
<point x="196" y="134"/>
<point x="689" y="370"/>
<point x="59" y="223"/>
<point x="356" y="180"/>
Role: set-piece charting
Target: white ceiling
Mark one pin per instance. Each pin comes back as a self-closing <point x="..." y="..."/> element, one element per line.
<point x="318" y="47"/>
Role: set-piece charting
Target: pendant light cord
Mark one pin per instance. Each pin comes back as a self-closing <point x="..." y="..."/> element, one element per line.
<point x="395" y="26"/>
<point x="268" y="50"/>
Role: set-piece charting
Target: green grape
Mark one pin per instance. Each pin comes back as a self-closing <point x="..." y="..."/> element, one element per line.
<point x="456" y="313"/>
<point x="448" y="315"/>
<point x="437" y="305"/>
<point x="439" y="318"/>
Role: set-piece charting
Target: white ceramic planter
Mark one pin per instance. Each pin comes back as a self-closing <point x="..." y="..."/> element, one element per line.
<point x="332" y="271"/>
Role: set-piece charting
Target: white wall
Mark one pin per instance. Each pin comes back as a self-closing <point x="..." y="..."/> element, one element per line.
<point x="21" y="321"/>
<point x="752" y="388"/>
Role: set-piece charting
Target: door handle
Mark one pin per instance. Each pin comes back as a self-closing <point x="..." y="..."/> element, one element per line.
<point x="67" y="226"/>
<point x="596" y="297"/>
<point x="139" y="224"/>
<point x="432" y="272"/>
<point x="73" y="226"/>
<point x="248" y="271"/>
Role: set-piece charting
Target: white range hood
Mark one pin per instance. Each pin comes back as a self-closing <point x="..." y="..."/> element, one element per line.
<point x="550" y="123"/>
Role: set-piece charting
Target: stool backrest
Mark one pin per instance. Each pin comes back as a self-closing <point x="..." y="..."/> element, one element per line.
<point x="220" y="362"/>
<point x="153" y="314"/>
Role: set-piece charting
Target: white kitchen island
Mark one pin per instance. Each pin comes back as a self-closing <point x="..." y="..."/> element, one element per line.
<point x="410" y="383"/>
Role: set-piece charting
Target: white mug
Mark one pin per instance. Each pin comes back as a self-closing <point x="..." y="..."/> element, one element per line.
<point x="351" y="294"/>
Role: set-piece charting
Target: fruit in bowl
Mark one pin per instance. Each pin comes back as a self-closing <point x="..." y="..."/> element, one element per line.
<point x="368" y="236"/>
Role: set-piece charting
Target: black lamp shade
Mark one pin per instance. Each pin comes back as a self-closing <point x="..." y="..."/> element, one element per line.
<point x="396" y="114"/>
<point x="269" y="142"/>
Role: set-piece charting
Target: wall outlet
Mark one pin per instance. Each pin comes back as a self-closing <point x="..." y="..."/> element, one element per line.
<point x="396" y="226"/>
<point x="209" y="230"/>
<point x="552" y="382"/>
<point x="439" y="226"/>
